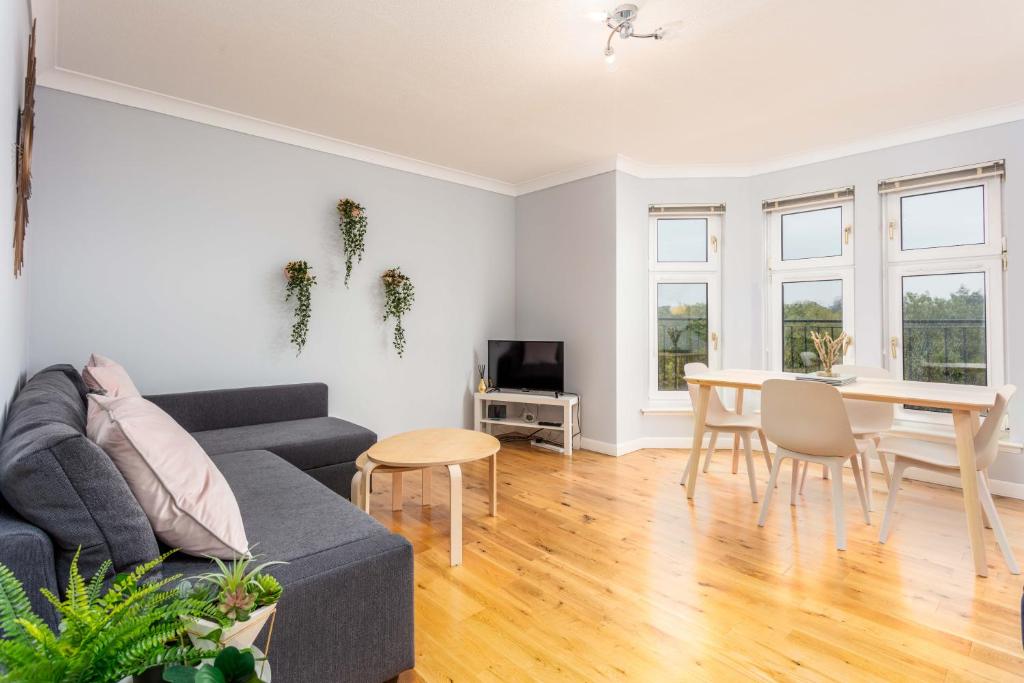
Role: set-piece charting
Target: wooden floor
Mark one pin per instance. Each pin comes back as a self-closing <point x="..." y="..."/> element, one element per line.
<point x="599" y="569"/>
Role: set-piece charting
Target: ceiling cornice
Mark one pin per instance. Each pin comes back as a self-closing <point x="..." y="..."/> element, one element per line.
<point x="52" y="76"/>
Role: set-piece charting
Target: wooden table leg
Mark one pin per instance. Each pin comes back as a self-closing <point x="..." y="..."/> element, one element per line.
<point x="493" y="467"/>
<point x="396" y="491"/>
<point x="736" y="437"/>
<point x="364" y="494"/>
<point x="964" y="425"/>
<point x="700" y="412"/>
<point x="427" y="483"/>
<point x="455" y="477"/>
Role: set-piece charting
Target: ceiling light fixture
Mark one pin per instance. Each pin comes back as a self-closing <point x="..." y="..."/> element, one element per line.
<point x="620" y="22"/>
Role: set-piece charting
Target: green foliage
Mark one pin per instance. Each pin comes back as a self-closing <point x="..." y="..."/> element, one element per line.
<point x="398" y="297"/>
<point x="231" y="666"/>
<point x="104" y="635"/>
<point x="944" y="337"/>
<point x="239" y="588"/>
<point x="353" y="232"/>
<point x="300" y="284"/>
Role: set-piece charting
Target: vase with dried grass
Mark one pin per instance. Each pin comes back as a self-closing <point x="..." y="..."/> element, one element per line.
<point x="830" y="351"/>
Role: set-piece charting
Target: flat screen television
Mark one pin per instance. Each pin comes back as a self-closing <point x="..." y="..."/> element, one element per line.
<point x="527" y="365"/>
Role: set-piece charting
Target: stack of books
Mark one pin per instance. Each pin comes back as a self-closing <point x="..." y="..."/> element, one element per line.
<point x="837" y="381"/>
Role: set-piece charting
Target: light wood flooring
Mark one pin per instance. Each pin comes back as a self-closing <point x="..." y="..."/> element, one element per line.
<point x="597" y="569"/>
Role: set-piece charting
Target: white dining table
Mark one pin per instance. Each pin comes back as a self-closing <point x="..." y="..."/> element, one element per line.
<point x="965" y="402"/>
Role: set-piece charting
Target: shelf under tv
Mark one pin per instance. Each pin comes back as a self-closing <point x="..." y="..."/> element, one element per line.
<point x="565" y="401"/>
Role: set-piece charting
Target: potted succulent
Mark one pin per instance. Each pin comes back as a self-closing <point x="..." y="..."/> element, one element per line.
<point x="244" y="599"/>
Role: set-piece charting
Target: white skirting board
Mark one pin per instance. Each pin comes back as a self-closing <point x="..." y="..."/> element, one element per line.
<point x="1009" y="489"/>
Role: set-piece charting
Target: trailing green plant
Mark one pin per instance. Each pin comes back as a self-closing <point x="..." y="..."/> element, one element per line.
<point x="353" y="233"/>
<point x="236" y="589"/>
<point x="300" y="284"/>
<point x="231" y="666"/>
<point x="398" y="297"/>
<point x="104" y="635"/>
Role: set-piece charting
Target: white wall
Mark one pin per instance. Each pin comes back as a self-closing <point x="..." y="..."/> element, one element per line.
<point x="15" y="26"/>
<point x="565" y="289"/>
<point x="161" y="243"/>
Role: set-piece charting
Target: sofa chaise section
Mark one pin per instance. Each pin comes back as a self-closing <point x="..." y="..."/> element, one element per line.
<point x="290" y="421"/>
<point x="348" y="581"/>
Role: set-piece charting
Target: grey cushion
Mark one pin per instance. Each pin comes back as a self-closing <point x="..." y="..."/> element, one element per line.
<point x="200" y="411"/>
<point x="349" y="581"/>
<point x="307" y="444"/>
<point x="59" y="480"/>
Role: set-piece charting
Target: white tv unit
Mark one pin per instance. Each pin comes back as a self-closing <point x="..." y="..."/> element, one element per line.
<point x="482" y="423"/>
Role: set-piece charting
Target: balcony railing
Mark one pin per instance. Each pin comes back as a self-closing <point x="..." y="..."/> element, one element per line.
<point x="940" y="350"/>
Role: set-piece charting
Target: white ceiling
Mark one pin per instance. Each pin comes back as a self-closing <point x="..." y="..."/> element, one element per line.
<point x="518" y="89"/>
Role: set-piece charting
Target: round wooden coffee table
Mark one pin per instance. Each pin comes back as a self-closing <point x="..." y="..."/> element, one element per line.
<point x="426" y="448"/>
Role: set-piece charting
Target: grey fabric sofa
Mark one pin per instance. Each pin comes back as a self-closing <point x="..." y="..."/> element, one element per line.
<point x="347" y="609"/>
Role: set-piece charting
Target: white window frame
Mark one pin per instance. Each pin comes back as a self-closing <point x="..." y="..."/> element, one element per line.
<point x="987" y="258"/>
<point x="839" y="267"/>
<point x="845" y="258"/>
<point x="775" y="324"/>
<point x="992" y="246"/>
<point x="684" y="272"/>
<point x="714" y="245"/>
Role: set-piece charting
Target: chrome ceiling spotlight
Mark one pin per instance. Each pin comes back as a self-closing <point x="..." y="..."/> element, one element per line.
<point x="620" y="22"/>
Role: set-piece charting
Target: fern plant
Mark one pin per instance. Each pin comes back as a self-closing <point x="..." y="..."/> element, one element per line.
<point x="104" y="635"/>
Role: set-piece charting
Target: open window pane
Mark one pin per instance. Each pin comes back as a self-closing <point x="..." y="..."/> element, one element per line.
<point x="682" y="331"/>
<point x="812" y="234"/>
<point x="947" y="218"/>
<point x="944" y="337"/>
<point x="683" y="240"/>
<point x="809" y="306"/>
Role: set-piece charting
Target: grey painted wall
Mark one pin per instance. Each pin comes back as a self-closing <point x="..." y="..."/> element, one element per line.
<point x="161" y="242"/>
<point x="565" y="288"/>
<point x="14" y="31"/>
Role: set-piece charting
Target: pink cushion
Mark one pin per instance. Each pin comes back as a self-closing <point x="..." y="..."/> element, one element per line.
<point x="112" y="380"/>
<point x="184" y="495"/>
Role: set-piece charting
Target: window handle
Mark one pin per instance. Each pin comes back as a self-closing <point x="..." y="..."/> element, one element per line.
<point x="714" y="244"/>
<point x="714" y="340"/>
<point x="847" y="230"/>
<point x="893" y="344"/>
<point x="892" y="230"/>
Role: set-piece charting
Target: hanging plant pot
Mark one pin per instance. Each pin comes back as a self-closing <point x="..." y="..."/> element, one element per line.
<point x="353" y="233"/>
<point x="398" y="297"/>
<point x="300" y="284"/>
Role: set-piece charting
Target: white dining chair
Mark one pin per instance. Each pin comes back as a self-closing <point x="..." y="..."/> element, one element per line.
<point x="807" y="421"/>
<point x="941" y="457"/>
<point x="868" y="420"/>
<point x="720" y="419"/>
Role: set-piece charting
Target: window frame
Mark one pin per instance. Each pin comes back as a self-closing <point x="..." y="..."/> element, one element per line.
<point x="684" y="272"/>
<point x="775" y="322"/>
<point x="844" y="259"/>
<point x="713" y="246"/>
<point x="987" y="258"/>
<point x="892" y="223"/>
<point x="994" y="340"/>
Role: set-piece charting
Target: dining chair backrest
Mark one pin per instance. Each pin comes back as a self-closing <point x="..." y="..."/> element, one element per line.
<point x="806" y="417"/>
<point x="716" y="410"/>
<point x="868" y="416"/>
<point x="986" y="441"/>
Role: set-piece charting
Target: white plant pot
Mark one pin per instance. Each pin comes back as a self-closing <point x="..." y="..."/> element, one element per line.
<point x="241" y="634"/>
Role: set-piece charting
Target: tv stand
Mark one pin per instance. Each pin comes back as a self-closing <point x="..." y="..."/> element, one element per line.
<point x="482" y="423"/>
